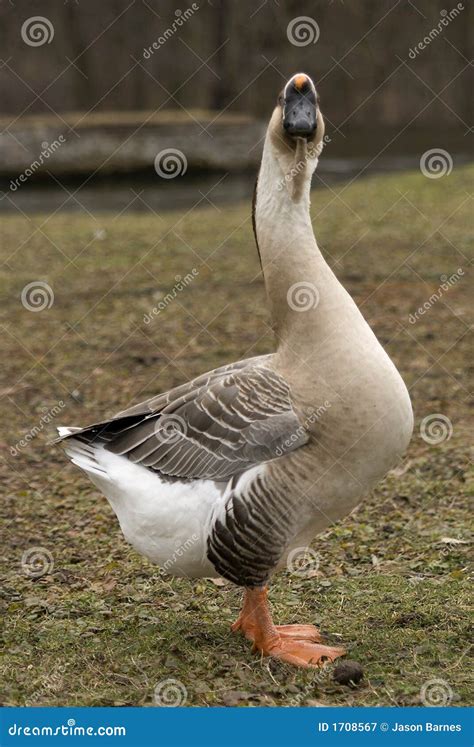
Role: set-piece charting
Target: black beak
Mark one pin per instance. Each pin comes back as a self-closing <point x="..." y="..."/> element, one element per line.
<point x="300" y="108"/>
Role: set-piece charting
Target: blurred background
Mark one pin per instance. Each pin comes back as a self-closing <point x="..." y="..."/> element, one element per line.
<point x="116" y="83"/>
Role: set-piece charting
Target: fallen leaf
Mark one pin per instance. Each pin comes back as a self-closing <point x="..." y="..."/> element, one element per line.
<point x="453" y="541"/>
<point x="233" y="697"/>
<point x="219" y="581"/>
<point x="401" y="469"/>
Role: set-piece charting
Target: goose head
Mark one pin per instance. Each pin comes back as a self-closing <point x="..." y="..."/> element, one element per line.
<point x="296" y="128"/>
<point x="297" y="114"/>
<point x="299" y="107"/>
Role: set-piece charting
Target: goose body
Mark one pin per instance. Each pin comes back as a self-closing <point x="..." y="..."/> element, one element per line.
<point x="227" y="474"/>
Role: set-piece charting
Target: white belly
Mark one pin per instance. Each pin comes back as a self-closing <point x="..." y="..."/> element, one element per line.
<point x="167" y="522"/>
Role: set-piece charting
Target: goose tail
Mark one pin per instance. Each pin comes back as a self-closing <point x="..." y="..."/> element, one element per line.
<point x="81" y="454"/>
<point x="64" y="431"/>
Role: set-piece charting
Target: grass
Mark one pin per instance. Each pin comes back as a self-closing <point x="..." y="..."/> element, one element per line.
<point x="103" y="626"/>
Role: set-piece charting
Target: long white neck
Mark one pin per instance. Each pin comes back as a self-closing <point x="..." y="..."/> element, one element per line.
<point x="303" y="293"/>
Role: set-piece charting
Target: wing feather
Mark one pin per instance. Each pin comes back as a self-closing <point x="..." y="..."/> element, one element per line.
<point x="214" y="427"/>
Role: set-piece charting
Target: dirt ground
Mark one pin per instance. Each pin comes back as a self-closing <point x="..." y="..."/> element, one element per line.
<point x="87" y="621"/>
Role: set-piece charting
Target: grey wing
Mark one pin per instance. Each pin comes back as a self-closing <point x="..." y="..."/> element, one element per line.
<point x="158" y="403"/>
<point x="213" y="428"/>
<point x="217" y="431"/>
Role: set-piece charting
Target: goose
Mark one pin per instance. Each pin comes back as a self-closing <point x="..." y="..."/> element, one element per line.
<point x="230" y="473"/>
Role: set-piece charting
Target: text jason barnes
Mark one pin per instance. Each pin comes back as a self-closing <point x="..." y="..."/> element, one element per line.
<point x="426" y="727"/>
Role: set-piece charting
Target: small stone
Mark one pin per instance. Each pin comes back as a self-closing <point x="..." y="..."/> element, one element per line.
<point x="348" y="673"/>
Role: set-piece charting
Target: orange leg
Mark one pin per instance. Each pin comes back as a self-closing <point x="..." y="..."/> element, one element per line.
<point x="296" y="644"/>
<point x="246" y="622"/>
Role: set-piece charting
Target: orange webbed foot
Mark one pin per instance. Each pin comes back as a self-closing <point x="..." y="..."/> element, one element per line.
<point x="299" y="645"/>
<point x="300" y="632"/>
<point x="300" y="653"/>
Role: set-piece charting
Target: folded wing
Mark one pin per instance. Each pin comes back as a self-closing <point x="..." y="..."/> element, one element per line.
<point x="215" y="427"/>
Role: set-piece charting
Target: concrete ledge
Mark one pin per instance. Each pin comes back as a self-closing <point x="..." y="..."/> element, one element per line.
<point x="111" y="142"/>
